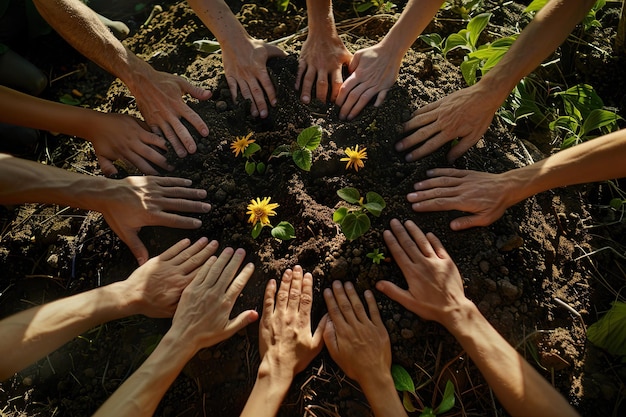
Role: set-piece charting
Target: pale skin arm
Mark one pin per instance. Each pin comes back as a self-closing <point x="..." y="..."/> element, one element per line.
<point x="375" y="69"/>
<point x="466" y="114"/>
<point x="202" y="319"/>
<point x="487" y="195"/>
<point x="436" y="293"/>
<point x="286" y="343"/>
<point x="158" y="94"/>
<point x="323" y="54"/>
<point x="360" y="345"/>
<point x="114" y="136"/>
<point x="152" y="290"/>
<point x="244" y="57"/>
<point x="127" y="204"/>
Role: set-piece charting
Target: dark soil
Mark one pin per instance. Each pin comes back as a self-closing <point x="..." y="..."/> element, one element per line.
<point x="521" y="271"/>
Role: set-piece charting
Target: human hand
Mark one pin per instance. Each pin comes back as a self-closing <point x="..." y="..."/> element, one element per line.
<point x="321" y="58"/>
<point x="133" y="202"/>
<point x="159" y="99"/>
<point x="352" y="338"/>
<point x="484" y="194"/>
<point x="157" y="284"/>
<point x="372" y="73"/>
<point x="120" y="136"/>
<point x="465" y="114"/>
<point x="435" y="285"/>
<point x="246" y="70"/>
<point x="202" y="318"/>
<point x="286" y="342"/>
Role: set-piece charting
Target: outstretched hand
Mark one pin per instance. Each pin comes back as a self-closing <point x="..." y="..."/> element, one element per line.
<point x="286" y="342"/>
<point x="435" y="286"/>
<point x="372" y="73"/>
<point x="246" y="71"/>
<point x="321" y="59"/>
<point x="354" y="339"/>
<point x="464" y="115"/>
<point x="485" y="195"/>
<point x="158" y="283"/>
<point x="159" y="99"/>
<point x="149" y="201"/>
<point x="202" y="318"/>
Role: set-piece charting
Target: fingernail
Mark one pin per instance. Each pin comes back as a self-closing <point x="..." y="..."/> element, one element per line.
<point x="408" y="158"/>
<point x="430" y="173"/>
<point x="255" y="113"/>
<point x="206" y="207"/>
<point x="274" y="102"/>
<point x="411" y="196"/>
<point x="349" y="285"/>
<point x="337" y="284"/>
<point x="415" y="206"/>
<point x="263" y="113"/>
<point x="197" y="223"/>
<point x="305" y="99"/>
<point x="399" y="146"/>
<point x="205" y="132"/>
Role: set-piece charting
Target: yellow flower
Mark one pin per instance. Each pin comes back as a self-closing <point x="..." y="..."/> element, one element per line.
<point x="241" y="143"/>
<point x="260" y="210"/>
<point x="355" y="157"/>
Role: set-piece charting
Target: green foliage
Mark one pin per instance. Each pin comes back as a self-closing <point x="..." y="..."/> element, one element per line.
<point x="251" y="165"/>
<point x="525" y="102"/>
<point x="379" y="6"/>
<point x="404" y="383"/>
<point x="464" y="8"/>
<point x="283" y="230"/>
<point x="354" y="221"/>
<point x="281" y="5"/>
<point x="301" y="150"/>
<point x="589" y="21"/>
<point x="206" y="46"/>
<point x="584" y="115"/>
<point x="376" y="256"/>
<point x="69" y="99"/>
<point x="609" y="333"/>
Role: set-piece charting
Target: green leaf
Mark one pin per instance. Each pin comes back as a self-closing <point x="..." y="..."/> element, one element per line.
<point x="260" y="167"/>
<point x="206" y="46"/>
<point x="303" y="159"/>
<point x="250" y="167"/>
<point x="281" y="150"/>
<point x="598" y="119"/>
<point x="355" y="225"/>
<point x="284" y="231"/>
<point x="363" y="7"/>
<point x="427" y="412"/>
<point x="256" y="230"/>
<point x="469" y="67"/>
<point x="69" y="99"/>
<point x="407" y="403"/>
<point x="433" y="40"/>
<point x="281" y="5"/>
<point x="447" y="401"/>
<point x="375" y="203"/>
<point x="454" y="41"/>
<point x="349" y="194"/>
<point x="250" y="150"/>
<point x="580" y="100"/>
<point x="339" y="214"/>
<point x="374" y="208"/>
<point x="535" y="6"/>
<point x="609" y="333"/>
<point x="616" y="203"/>
<point x="476" y="26"/>
<point x="310" y="137"/>
<point x="402" y="379"/>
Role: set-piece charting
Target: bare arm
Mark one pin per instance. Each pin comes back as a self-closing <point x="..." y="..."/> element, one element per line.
<point x="244" y="57"/>
<point x="323" y="54"/>
<point x="436" y="293"/>
<point x="201" y="320"/>
<point x="127" y="205"/>
<point x="375" y="69"/>
<point x="158" y="94"/>
<point x="152" y="290"/>
<point x="286" y="343"/>
<point x="467" y="113"/>
<point x="487" y="195"/>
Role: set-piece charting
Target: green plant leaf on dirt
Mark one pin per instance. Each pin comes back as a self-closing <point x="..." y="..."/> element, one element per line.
<point x="404" y="383"/>
<point x="301" y="150"/>
<point x="351" y="195"/>
<point x="354" y="221"/>
<point x="354" y="225"/>
<point x="376" y="256"/>
<point x="310" y="138"/>
<point x="206" y="46"/>
<point x="609" y="333"/>
<point x="284" y="231"/>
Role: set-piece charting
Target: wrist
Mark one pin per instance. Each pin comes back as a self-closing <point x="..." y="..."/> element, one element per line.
<point x="459" y="320"/>
<point x="380" y="391"/>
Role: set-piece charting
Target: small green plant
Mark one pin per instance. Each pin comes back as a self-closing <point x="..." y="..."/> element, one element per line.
<point x="584" y="115"/>
<point x="281" y="5"/>
<point x="378" y="5"/>
<point x="376" y="256"/>
<point x="609" y="333"/>
<point x="404" y="384"/>
<point x="301" y="150"/>
<point x="526" y="101"/>
<point x="354" y="221"/>
<point x="247" y="148"/>
<point x="260" y="212"/>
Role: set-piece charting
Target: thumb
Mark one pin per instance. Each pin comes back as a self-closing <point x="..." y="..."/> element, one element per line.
<point x="239" y="322"/>
<point x="318" y="336"/>
<point x="396" y="293"/>
<point x="467" y="222"/>
<point x="137" y="247"/>
<point x="275" y="51"/>
<point x="354" y="62"/>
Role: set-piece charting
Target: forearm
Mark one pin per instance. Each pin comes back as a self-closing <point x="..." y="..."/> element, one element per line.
<point x="381" y="393"/>
<point x="23" y="181"/>
<point x="595" y="160"/>
<point x="221" y="21"/>
<point x="520" y="389"/>
<point x="23" y="110"/>
<point x="31" y="334"/>
<point x="267" y="395"/>
<point x="548" y="29"/>
<point x="141" y="393"/>
<point x="82" y="29"/>
<point x="413" y="20"/>
<point x="320" y="18"/>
